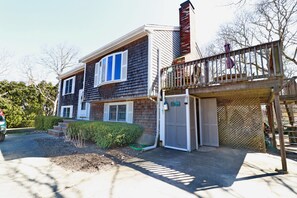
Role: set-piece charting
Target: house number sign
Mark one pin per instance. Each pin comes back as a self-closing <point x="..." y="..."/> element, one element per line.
<point x="175" y="104"/>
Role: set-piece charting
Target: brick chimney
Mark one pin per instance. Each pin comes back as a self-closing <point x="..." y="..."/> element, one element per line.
<point x="187" y="28"/>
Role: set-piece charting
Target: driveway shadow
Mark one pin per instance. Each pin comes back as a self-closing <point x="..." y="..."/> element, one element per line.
<point x="21" y="145"/>
<point x="198" y="170"/>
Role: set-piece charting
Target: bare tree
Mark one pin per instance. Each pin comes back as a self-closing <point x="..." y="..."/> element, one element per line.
<point x="34" y="80"/>
<point x="59" y="58"/>
<point x="55" y="59"/>
<point x="4" y="62"/>
<point x="269" y="20"/>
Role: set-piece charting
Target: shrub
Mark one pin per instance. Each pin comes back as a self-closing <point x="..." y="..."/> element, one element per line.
<point x="46" y="122"/>
<point x="105" y="134"/>
<point x="39" y="122"/>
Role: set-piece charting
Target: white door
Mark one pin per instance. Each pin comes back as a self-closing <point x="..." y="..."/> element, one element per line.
<point x="82" y="107"/>
<point x="209" y="122"/>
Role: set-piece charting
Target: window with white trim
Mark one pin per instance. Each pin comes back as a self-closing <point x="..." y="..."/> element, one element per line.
<point x="111" y="69"/>
<point x="66" y="111"/>
<point x="68" y="85"/>
<point x="118" y="112"/>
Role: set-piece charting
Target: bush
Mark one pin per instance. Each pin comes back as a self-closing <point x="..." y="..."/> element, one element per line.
<point x="105" y="134"/>
<point x="39" y="122"/>
<point x="46" y="122"/>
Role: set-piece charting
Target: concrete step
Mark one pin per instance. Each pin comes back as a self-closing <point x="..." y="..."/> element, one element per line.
<point x="57" y="133"/>
<point x="63" y="124"/>
<point x="68" y="121"/>
<point x="58" y="128"/>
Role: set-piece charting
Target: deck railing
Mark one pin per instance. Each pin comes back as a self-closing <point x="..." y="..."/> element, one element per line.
<point x="248" y="64"/>
<point x="289" y="87"/>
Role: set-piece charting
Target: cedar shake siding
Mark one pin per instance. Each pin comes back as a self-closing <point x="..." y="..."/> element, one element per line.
<point x="72" y="99"/>
<point x="144" y="114"/>
<point x="137" y="75"/>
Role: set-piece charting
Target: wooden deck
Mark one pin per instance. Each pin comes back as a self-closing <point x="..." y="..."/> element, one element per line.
<point x="255" y="70"/>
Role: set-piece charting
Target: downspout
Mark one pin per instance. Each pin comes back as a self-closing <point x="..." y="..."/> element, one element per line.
<point x="157" y="106"/>
<point x="58" y="103"/>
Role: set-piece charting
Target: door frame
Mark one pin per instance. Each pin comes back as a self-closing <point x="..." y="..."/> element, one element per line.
<point x="188" y="132"/>
<point x="200" y="124"/>
<point x="79" y="111"/>
<point x="172" y="147"/>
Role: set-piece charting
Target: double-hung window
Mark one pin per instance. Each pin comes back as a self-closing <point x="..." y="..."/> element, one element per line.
<point x="66" y="111"/>
<point x="118" y="112"/>
<point x="111" y="69"/>
<point x="68" y="86"/>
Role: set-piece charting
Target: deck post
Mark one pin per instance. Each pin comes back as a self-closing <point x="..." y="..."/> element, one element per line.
<point x="271" y="123"/>
<point x="280" y="131"/>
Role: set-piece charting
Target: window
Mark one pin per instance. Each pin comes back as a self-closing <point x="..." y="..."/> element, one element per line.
<point x="118" y="112"/>
<point x="111" y="69"/>
<point x="83" y="106"/>
<point x="66" y="111"/>
<point x="68" y="86"/>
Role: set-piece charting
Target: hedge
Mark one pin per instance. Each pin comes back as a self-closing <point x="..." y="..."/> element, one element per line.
<point x="46" y="122"/>
<point x="105" y="134"/>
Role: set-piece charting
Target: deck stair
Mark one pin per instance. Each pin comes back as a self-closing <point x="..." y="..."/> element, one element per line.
<point x="60" y="129"/>
<point x="289" y="108"/>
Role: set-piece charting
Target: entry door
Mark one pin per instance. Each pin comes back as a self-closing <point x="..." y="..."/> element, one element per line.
<point x="209" y="122"/>
<point x="175" y="123"/>
<point x="82" y="107"/>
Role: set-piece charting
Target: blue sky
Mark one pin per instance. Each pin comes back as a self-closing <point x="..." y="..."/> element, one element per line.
<point x="28" y="26"/>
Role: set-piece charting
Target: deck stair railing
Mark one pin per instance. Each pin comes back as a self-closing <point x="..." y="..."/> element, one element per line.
<point x="289" y="89"/>
<point x="258" y="62"/>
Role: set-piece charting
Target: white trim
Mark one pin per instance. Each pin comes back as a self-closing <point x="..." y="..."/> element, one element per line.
<point x="73" y="71"/>
<point x="162" y="119"/>
<point x="71" y="110"/>
<point x="98" y="80"/>
<point x="176" y="148"/>
<point x="57" y="113"/>
<point x="107" y="106"/>
<point x="126" y="39"/>
<point x="72" y="87"/>
<point x="149" y="63"/>
<point x="196" y="128"/>
<point x="188" y="125"/>
<point x="180" y="95"/>
<point x="200" y="125"/>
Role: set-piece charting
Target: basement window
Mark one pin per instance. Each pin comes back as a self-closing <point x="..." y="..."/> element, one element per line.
<point x="66" y="111"/>
<point x="118" y="112"/>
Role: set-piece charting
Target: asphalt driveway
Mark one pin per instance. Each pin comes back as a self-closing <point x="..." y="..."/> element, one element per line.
<point x="209" y="172"/>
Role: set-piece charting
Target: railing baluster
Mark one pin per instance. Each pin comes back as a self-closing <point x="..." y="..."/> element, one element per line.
<point x="217" y="72"/>
<point x="280" y="58"/>
<point x="221" y="69"/>
<point x="273" y="59"/>
<point x="212" y="73"/>
<point x="233" y="66"/>
<point x="257" y="67"/>
<point x="251" y="66"/>
<point x="262" y="65"/>
<point x="226" y="69"/>
<point x="268" y="60"/>
<point x="239" y="59"/>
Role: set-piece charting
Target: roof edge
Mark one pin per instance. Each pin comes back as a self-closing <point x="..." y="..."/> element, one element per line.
<point x="73" y="71"/>
<point x="127" y="38"/>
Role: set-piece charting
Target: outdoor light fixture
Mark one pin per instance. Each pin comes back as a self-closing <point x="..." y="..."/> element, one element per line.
<point x="186" y="101"/>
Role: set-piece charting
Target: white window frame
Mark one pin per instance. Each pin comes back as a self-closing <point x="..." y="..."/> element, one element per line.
<point x="101" y="79"/>
<point x="72" y="88"/>
<point x="129" y="111"/>
<point x="65" y="107"/>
